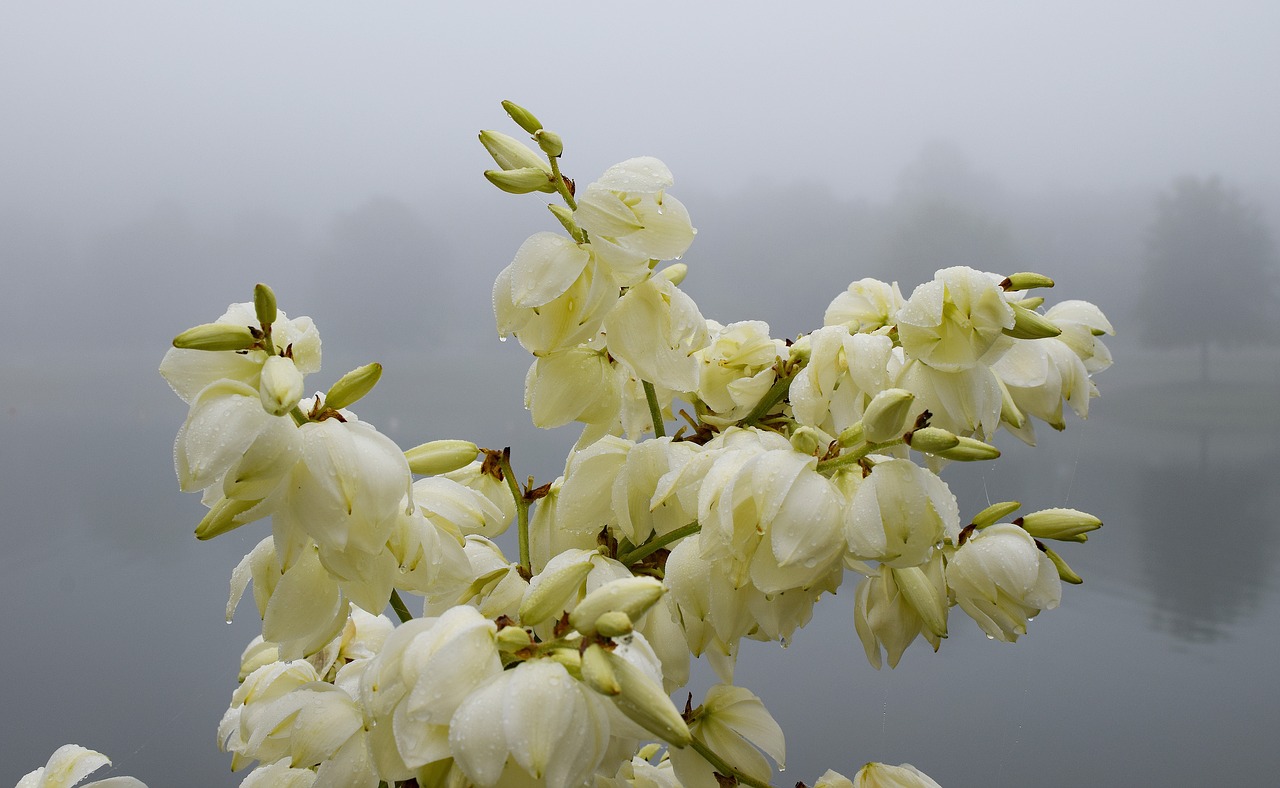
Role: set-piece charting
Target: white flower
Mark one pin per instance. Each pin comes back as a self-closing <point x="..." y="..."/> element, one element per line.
<point x="1002" y="579"/>
<point x="225" y="420"/>
<point x="629" y="206"/>
<point x="844" y="372"/>
<point x="898" y="513"/>
<point x="70" y="764"/>
<point x="280" y="385"/>
<point x="882" y="775"/>
<point x="950" y="322"/>
<point x="736" y="369"/>
<point x="301" y="604"/>
<point x="576" y="384"/>
<point x="735" y="725"/>
<point x="886" y="615"/>
<point x="570" y="318"/>
<point x="655" y="328"/>
<point x="867" y="305"/>
<point x="966" y="401"/>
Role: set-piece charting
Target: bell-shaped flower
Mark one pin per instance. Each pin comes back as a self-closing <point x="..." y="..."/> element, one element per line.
<point x="868" y="304"/>
<point x="225" y="420"/>
<point x="967" y="402"/>
<point x="887" y="609"/>
<point x="475" y="477"/>
<point x="629" y="206"/>
<point x="570" y="318"/>
<point x="279" y="775"/>
<point x="1039" y="375"/>
<point x="70" y="764"/>
<point x="656" y="329"/>
<point x="535" y="719"/>
<point x="736" y="369"/>
<point x="1082" y="323"/>
<point x="189" y="371"/>
<point x="301" y="604"/>
<point x="427" y="553"/>
<point x="882" y="775"/>
<point x="493" y="584"/>
<point x="734" y="724"/>
<point x="712" y="612"/>
<point x="640" y="773"/>
<point x="426" y="669"/>
<point x="651" y="494"/>
<point x="280" y="385"/>
<point x="1002" y="579"/>
<point x="899" y="513"/>
<point x="547" y="538"/>
<point x="585" y="504"/>
<point x="576" y="384"/>
<point x="843" y="373"/>
<point x="950" y="322"/>
<point x="466" y="510"/>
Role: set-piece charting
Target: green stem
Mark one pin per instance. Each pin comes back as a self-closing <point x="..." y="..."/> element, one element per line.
<point x="299" y="418"/>
<point x="655" y="412"/>
<point x="723" y="768"/>
<point x="772" y="397"/>
<point x="560" y="184"/>
<point x="522" y="513"/>
<point x="654" y="545"/>
<point x="827" y="467"/>
<point x="398" y="605"/>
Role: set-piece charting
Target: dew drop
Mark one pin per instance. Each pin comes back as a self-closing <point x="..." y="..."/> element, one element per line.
<point x="991" y="637"/>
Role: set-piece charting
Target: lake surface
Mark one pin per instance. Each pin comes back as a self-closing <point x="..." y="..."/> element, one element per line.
<point x="1159" y="670"/>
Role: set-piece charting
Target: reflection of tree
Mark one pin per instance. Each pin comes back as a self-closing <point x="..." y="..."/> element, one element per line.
<point x="1209" y="534"/>
<point x="1210" y="271"/>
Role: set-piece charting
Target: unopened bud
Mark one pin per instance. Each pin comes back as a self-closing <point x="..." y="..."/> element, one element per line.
<point x="264" y="304"/>
<point x="547" y="599"/>
<point x="1064" y="525"/>
<point x="1028" y="324"/>
<point x="630" y="595"/>
<point x="353" y="385"/>
<point x="226" y="515"/>
<point x="569" y="657"/>
<point x="565" y="216"/>
<point x="523" y="117"/>
<point x="510" y="153"/>
<point x="852" y="435"/>
<point x="280" y="385"/>
<point x="1065" y="573"/>
<point x="643" y="700"/>
<point x="885" y="414"/>
<point x="442" y="456"/>
<point x="216" y="336"/>
<point x="923" y="596"/>
<point x="969" y="450"/>
<point x="550" y="143"/>
<point x="807" y="440"/>
<point x="521" y="181"/>
<point x="597" y="672"/>
<point x="511" y="639"/>
<point x="614" y="624"/>
<point x="1025" y="280"/>
<point x="1010" y="413"/>
<point x="994" y="513"/>
<point x="931" y="440"/>
<point x="675" y="273"/>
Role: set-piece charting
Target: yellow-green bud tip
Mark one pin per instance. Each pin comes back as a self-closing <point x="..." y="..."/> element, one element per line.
<point x="353" y="385"/>
<point x="216" y="336"/>
<point x="523" y="117"/>
<point x="264" y="304"/>
<point x="442" y="456"/>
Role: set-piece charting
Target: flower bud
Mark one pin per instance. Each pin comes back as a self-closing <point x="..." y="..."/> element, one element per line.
<point x="1034" y="302"/>
<point x="521" y="181"/>
<point x="644" y="701"/>
<point x="931" y="440"/>
<point x="1025" y="280"/>
<point x="1060" y="524"/>
<point x="569" y="657"/>
<point x="353" y="385"/>
<point x="550" y="143"/>
<point x="280" y="386"/>
<point x="807" y="440"/>
<point x="630" y="595"/>
<point x="442" y="456"/>
<point x="511" y="639"/>
<point x="510" y="153"/>
<point x="565" y="216"/>
<point x="614" y="624"/>
<point x="675" y="273"/>
<point x="969" y="450"/>
<point x="264" y="304"/>
<point x="1009" y="412"/>
<point x="883" y="420"/>
<point x="1065" y="573"/>
<point x="225" y="516"/>
<point x="546" y="598"/>
<point x="597" y="672"/>
<point x="216" y="336"/>
<point x="994" y="513"/>
<point x="1028" y="324"/>
<point x="523" y="117"/>
<point x="852" y="435"/>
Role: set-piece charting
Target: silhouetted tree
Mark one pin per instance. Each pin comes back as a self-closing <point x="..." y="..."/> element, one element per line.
<point x="1210" y="271"/>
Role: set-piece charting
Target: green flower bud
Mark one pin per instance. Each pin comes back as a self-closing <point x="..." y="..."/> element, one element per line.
<point x="550" y="143"/>
<point x="644" y="701"/>
<point x="931" y="440"/>
<point x="523" y="117"/>
<point x="436" y="457"/>
<point x="924" y="597"/>
<point x="994" y="513"/>
<point x="852" y="435"/>
<point x="1065" y="573"/>
<point x="1028" y="324"/>
<point x="279" y="385"/>
<point x="565" y="217"/>
<point x="597" y="672"/>
<point x="1060" y="524"/>
<point x="511" y="639"/>
<point x="1032" y="303"/>
<point x="807" y="440"/>
<point x="547" y="598"/>
<point x="522" y="181"/>
<point x="885" y="415"/>
<point x="675" y="273"/>
<point x="969" y="450"/>
<point x="1009" y="412"/>
<point x="510" y="153"/>
<point x="630" y="595"/>
<point x="216" y="336"/>
<point x="1025" y="280"/>
<point x="353" y="385"/>
<point x="264" y="304"/>
<point x="569" y="657"/>
<point x="614" y="624"/>
<point x="226" y="515"/>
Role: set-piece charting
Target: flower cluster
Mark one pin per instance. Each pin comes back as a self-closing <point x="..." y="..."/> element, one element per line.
<point x="800" y="463"/>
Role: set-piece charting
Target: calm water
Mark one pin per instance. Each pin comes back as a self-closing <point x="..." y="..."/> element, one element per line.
<point x="1159" y="670"/>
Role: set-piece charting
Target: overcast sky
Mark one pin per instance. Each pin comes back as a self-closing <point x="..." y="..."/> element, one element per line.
<point x="307" y="108"/>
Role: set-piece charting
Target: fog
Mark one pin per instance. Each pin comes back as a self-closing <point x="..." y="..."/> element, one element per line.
<point x="158" y="159"/>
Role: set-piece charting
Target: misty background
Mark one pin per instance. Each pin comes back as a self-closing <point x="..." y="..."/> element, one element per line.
<point x="157" y="159"/>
